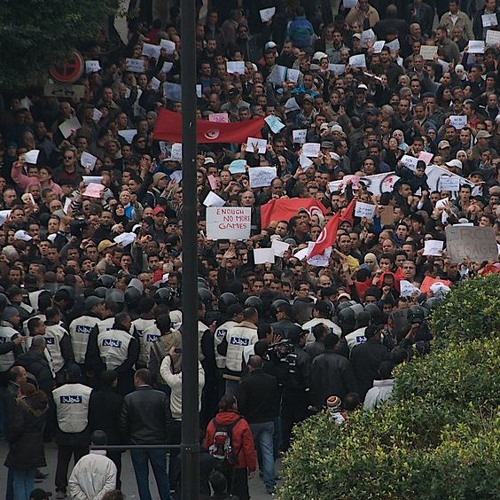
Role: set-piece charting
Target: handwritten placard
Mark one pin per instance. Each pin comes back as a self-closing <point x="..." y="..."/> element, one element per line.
<point x="489" y="20"/>
<point x="261" y="176"/>
<point x="409" y="161"/>
<point x="253" y="142"/>
<point x="364" y="210"/>
<point x="236" y="67"/>
<point x="229" y="223"/>
<point x="150" y="50"/>
<point x="92" y="66"/>
<point x="311" y="149"/>
<point x="357" y="61"/>
<point x="451" y="183"/>
<point x="476" y="47"/>
<point x="135" y="65"/>
<point x="492" y="38"/>
<point x="458" y="121"/>
<point x="473" y="242"/>
<point x="275" y="124"/>
<point x="428" y="52"/>
<point x="168" y="45"/>
<point x="337" y="69"/>
<point x="88" y="161"/>
<point x="218" y="117"/>
<point x="299" y="136"/>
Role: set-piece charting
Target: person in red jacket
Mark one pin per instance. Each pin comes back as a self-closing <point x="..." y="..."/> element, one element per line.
<point x="242" y="445"/>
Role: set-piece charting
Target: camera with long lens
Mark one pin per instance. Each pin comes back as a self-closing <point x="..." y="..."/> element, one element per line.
<point x="283" y="352"/>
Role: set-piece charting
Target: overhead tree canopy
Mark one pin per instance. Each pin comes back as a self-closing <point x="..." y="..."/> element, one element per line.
<point x="36" y="33"/>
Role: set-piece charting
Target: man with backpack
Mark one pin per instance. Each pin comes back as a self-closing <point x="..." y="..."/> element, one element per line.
<point x="229" y="440"/>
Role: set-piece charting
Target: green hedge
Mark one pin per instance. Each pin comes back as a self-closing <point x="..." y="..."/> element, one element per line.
<point x="437" y="439"/>
<point x="470" y="311"/>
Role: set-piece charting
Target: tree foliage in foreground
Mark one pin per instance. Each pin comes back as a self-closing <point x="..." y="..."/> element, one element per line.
<point x="35" y="33"/>
<point x="438" y="439"/>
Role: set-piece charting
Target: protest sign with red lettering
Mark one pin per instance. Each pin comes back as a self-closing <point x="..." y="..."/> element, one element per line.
<point x="228" y="223"/>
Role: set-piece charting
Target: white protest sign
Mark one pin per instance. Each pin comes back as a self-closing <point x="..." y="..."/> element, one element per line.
<point x="4" y="215"/>
<point x="32" y="156"/>
<point x="375" y="184"/>
<point x="473" y="242"/>
<point x="92" y="66"/>
<point x="275" y="124"/>
<point x="278" y="74"/>
<point x="236" y="67"/>
<point x="433" y="247"/>
<point x="407" y="289"/>
<point x="378" y="46"/>
<point x="96" y="114"/>
<point x="135" y="65"/>
<point x="476" y="47"/>
<point x="67" y="127"/>
<point x="218" y="117"/>
<point x="367" y="36"/>
<point x="261" y="176"/>
<point x="492" y="38"/>
<point x="253" y="142"/>
<point x="88" y="161"/>
<point x="449" y="183"/>
<point x="305" y="162"/>
<point x="428" y="52"/>
<point x="458" y="121"/>
<point x="168" y="45"/>
<point x="349" y="4"/>
<point x="409" y="161"/>
<point x="357" y="61"/>
<point x="167" y="66"/>
<point x="232" y="223"/>
<point x="311" y="149"/>
<point x="155" y="83"/>
<point x="299" y="136"/>
<point x="128" y="135"/>
<point x="394" y="45"/>
<point x="176" y="151"/>
<point x="320" y="260"/>
<point x="364" y="210"/>
<point x="293" y="75"/>
<point x="213" y="200"/>
<point x="150" y="50"/>
<point x="489" y="20"/>
<point x="176" y="176"/>
<point x="172" y="91"/>
<point x="267" y="14"/>
<point x="263" y="255"/>
<point x="337" y="69"/>
<point x="279" y="247"/>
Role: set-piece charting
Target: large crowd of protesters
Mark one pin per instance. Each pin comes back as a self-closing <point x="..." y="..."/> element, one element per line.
<point x="396" y="96"/>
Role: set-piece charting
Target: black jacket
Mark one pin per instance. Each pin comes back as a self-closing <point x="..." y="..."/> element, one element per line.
<point x="259" y="397"/>
<point x="332" y="375"/>
<point x="145" y="416"/>
<point x="36" y="363"/>
<point x="366" y="359"/>
<point x="25" y="432"/>
<point x="105" y="408"/>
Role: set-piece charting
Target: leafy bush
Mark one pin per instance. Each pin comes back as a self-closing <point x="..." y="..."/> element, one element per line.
<point x="470" y="311"/>
<point x="437" y="439"/>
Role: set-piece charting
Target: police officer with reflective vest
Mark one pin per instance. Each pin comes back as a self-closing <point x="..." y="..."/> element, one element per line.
<point x="58" y="343"/>
<point x="239" y="337"/>
<point x="82" y="328"/>
<point x="119" y="351"/>
<point x="72" y="434"/>
<point x="145" y="323"/>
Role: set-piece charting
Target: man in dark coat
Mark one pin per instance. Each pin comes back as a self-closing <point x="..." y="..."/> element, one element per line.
<point x="366" y="359"/>
<point x="332" y="374"/>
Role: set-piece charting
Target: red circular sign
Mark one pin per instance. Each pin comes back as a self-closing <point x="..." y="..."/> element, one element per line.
<point x="70" y="70"/>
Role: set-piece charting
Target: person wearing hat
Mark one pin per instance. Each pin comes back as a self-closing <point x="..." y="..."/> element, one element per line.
<point x="72" y="433"/>
<point x="483" y="138"/>
<point x="444" y="150"/>
<point x="94" y="474"/>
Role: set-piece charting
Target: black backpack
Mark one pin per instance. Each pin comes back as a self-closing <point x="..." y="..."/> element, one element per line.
<point x="222" y="447"/>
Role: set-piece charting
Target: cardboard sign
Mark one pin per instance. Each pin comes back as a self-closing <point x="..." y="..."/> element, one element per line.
<point x="261" y="176"/>
<point x="364" y="210"/>
<point x="232" y="223"/>
<point x="433" y="247"/>
<point x="428" y="52"/>
<point x="473" y="242"/>
<point x="387" y="215"/>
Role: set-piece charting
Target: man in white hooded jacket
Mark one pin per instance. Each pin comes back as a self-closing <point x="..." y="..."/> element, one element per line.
<point x="94" y="474"/>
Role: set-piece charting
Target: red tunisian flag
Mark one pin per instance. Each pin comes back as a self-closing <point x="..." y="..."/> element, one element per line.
<point x="327" y="237"/>
<point x="168" y="127"/>
<point x="286" y="208"/>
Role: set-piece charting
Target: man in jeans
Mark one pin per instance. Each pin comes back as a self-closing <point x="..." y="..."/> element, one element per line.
<point x="146" y="419"/>
<point x="259" y="403"/>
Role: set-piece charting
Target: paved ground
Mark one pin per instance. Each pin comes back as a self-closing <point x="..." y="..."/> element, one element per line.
<point x="257" y="490"/>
